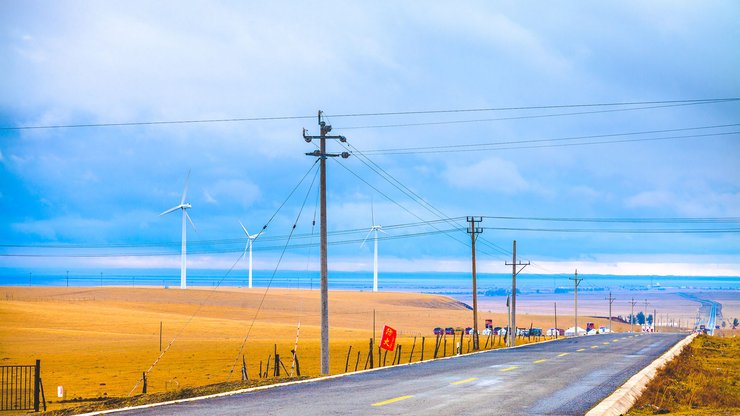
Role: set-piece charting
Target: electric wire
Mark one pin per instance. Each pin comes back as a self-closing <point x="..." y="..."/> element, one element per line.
<point x="653" y="104"/>
<point x="272" y="277"/>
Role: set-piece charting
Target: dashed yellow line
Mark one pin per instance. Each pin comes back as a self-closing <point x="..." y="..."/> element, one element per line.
<point x="594" y="346"/>
<point x="540" y="361"/>
<point x="615" y="340"/>
<point x="563" y="354"/>
<point x="513" y="367"/>
<point x="467" y="380"/>
<point x="605" y="343"/>
<point x="582" y="349"/>
<point x="397" y="399"/>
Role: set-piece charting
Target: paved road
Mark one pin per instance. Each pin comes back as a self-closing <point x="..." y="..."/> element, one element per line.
<point x="565" y="377"/>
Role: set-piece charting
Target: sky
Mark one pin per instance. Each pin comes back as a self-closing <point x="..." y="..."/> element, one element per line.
<point x="535" y="148"/>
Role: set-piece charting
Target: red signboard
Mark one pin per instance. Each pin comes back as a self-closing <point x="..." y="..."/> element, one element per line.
<point x="388" y="342"/>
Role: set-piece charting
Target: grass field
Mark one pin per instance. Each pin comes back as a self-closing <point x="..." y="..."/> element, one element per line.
<point x="703" y="380"/>
<point x="96" y="342"/>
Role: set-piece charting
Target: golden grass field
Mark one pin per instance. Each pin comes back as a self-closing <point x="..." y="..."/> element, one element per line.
<point x="97" y="341"/>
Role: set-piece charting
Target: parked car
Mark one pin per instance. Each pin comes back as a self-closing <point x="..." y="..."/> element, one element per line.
<point x="487" y="332"/>
<point x="449" y="331"/>
<point x="438" y="331"/>
<point x="536" y="332"/>
<point x="469" y="331"/>
<point x="522" y="332"/>
<point x="497" y="330"/>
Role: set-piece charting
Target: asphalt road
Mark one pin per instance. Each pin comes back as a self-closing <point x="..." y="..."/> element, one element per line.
<point x="564" y="377"/>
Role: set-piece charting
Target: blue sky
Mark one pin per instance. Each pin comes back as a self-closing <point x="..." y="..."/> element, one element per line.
<point x="101" y="189"/>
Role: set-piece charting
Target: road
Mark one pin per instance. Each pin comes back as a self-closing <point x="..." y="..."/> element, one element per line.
<point x="708" y="312"/>
<point x="564" y="377"/>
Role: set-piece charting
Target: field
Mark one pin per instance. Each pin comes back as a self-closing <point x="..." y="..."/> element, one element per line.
<point x="703" y="380"/>
<point x="96" y="342"/>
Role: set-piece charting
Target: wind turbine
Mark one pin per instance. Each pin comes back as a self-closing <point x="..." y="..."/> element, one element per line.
<point x="184" y="206"/>
<point x="250" y="242"/>
<point x="374" y="229"/>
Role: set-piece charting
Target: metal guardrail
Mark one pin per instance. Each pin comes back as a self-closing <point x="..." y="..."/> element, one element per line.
<point x="20" y="387"/>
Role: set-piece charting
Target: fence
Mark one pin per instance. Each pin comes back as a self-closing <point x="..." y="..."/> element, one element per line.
<point x="21" y="388"/>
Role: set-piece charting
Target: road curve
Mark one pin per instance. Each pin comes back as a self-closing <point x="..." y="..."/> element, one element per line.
<point x="564" y="377"/>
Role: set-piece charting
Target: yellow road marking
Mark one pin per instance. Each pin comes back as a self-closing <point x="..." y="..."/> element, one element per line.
<point x="582" y="349"/>
<point x="615" y="340"/>
<point x="605" y="343"/>
<point x="397" y="399"/>
<point x="467" y="380"/>
<point x="594" y="346"/>
<point x="540" y="361"/>
<point x="563" y="354"/>
<point x="513" y="367"/>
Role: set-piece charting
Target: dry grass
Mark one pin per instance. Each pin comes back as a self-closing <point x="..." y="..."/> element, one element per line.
<point x="703" y="380"/>
<point x="96" y="342"/>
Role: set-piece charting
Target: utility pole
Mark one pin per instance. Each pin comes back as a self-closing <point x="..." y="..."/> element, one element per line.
<point x="474" y="231"/>
<point x="514" y="272"/>
<point x="645" y="313"/>
<point x="632" y="315"/>
<point x="611" y="300"/>
<point x="577" y="281"/>
<point x="557" y="331"/>
<point x="322" y="155"/>
<point x="655" y="320"/>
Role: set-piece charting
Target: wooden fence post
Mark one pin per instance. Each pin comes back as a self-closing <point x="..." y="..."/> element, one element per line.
<point x="143" y="389"/>
<point x="346" y="363"/>
<point x="245" y="376"/>
<point x="370" y="355"/>
<point x="357" y="361"/>
<point x="413" y="347"/>
<point x="297" y="365"/>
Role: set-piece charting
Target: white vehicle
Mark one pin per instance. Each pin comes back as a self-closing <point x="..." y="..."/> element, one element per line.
<point x="486" y="331"/>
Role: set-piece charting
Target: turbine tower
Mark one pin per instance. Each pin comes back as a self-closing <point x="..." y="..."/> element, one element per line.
<point x="250" y="242"/>
<point x="184" y="206"/>
<point x="374" y="229"/>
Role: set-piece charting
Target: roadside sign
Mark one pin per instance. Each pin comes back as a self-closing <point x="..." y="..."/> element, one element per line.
<point x="388" y="342"/>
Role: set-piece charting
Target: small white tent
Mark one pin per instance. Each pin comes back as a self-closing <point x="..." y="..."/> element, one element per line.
<point x="571" y="331"/>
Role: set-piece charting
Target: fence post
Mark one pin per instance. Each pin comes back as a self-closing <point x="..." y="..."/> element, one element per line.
<point x="346" y="363"/>
<point x="245" y="376"/>
<point x="37" y="386"/>
<point x="297" y="365"/>
<point x="422" y="349"/>
<point x="143" y="389"/>
<point x="413" y="347"/>
<point x="357" y="362"/>
<point x="370" y="354"/>
<point x="276" y="371"/>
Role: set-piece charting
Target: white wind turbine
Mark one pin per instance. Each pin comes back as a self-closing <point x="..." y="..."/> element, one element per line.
<point x="184" y="206"/>
<point x="374" y="229"/>
<point x="250" y="243"/>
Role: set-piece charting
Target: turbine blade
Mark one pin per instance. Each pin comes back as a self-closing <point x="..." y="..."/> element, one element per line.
<point x="170" y="210"/>
<point x="365" y="239"/>
<point x="372" y="211"/>
<point x="245" y="229"/>
<point x="185" y="190"/>
<point x="381" y="230"/>
<point x="185" y="212"/>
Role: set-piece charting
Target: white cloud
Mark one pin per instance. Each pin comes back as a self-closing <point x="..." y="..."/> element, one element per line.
<point x="491" y="174"/>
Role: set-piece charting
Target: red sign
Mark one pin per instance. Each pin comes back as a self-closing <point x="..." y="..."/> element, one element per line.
<point x="388" y="342"/>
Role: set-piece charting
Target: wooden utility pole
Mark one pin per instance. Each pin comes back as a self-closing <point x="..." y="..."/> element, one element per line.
<point x="632" y="315"/>
<point x="474" y="231"/>
<point x="322" y="155"/>
<point x="576" y="281"/>
<point x="512" y="308"/>
<point x="611" y="300"/>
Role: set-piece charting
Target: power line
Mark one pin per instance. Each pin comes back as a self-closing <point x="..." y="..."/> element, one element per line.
<point x="376" y="114"/>
<point x="477" y="146"/>
<point x="524" y="117"/>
